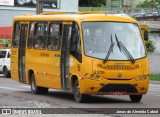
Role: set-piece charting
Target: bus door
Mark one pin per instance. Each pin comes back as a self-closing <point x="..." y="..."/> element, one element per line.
<point x="21" y="52"/>
<point x="65" y="56"/>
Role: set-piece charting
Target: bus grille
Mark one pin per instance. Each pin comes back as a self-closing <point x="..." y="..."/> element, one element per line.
<point x="125" y="67"/>
<point x="119" y="88"/>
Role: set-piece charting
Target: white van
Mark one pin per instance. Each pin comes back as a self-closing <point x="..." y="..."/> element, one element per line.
<point x="5" y="62"/>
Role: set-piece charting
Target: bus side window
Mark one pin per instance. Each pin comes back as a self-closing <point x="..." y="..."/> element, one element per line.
<point x="16" y="34"/>
<point x="54" y="36"/>
<point x="31" y="35"/>
<point x="76" y="43"/>
<point x="41" y="35"/>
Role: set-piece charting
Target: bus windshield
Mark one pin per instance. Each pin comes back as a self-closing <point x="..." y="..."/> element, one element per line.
<point x="97" y="40"/>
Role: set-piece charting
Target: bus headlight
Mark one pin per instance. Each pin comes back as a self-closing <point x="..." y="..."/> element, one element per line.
<point x="144" y="77"/>
<point x="97" y="77"/>
<point x="91" y="76"/>
<point x="140" y="77"/>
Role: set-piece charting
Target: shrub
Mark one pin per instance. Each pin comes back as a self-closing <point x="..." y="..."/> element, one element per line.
<point x="150" y="46"/>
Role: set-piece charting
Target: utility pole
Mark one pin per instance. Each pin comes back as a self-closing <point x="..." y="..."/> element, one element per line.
<point x="39" y="7"/>
<point x="153" y="4"/>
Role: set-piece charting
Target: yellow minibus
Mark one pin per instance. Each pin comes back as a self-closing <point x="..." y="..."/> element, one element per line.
<point x="84" y="53"/>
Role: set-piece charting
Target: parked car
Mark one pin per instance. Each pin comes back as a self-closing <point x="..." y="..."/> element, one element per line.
<point x="148" y="14"/>
<point x="141" y="15"/>
<point x="155" y="14"/>
<point x="125" y="15"/>
<point x="5" y="62"/>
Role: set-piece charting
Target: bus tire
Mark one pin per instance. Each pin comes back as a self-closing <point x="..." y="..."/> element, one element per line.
<point x="43" y="90"/>
<point x="135" y="98"/>
<point x="6" y="73"/>
<point x="77" y="95"/>
<point x="36" y="89"/>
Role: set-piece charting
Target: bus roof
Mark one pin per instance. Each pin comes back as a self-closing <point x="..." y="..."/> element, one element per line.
<point x="80" y="16"/>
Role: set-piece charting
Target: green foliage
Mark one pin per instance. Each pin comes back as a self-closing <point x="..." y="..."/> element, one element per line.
<point x="134" y="17"/>
<point x="92" y="3"/>
<point x="148" y="30"/>
<point x="149" y="4"/>
<point x="150" y="46"/>
<point x="155" y="77"/>
<point x="4" y="41"/>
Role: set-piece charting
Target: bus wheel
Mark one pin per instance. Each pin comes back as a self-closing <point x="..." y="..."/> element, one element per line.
<point x="77" y="95"/>
<point x="6" y="73"/>
<point x="36" y="89"/>
<point x="135" y="98"/>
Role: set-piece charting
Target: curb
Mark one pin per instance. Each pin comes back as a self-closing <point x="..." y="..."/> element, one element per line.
<point x="154" y="82"/>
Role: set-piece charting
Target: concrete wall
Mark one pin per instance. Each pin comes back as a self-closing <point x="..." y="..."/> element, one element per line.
<point x="154" y="63"/>
<point x="8" y="15"/>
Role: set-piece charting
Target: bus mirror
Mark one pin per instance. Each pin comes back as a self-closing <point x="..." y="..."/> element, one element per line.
<point x="146" y="35"/>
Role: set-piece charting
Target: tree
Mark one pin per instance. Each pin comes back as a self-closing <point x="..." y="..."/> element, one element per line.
<point x="149" y="4"/>
<point x="92" y="3"/>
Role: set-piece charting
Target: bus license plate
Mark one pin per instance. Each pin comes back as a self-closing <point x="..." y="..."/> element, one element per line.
<point x="118" y="93"/>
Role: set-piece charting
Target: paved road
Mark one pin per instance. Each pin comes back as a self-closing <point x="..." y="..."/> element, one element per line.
<point x="16" y="95"/>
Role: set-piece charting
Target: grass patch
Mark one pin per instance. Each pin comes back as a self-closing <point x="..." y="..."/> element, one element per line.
<point x="155" y="77"/>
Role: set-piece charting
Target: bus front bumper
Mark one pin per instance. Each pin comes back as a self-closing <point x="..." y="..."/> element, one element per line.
<point x="114" y="87"/>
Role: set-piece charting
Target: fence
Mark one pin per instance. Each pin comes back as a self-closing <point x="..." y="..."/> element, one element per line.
<point x="116" y="10"/>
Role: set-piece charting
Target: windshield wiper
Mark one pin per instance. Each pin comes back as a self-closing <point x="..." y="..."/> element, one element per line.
<point x="123" y="49"/>
<point x="109" y="51"/>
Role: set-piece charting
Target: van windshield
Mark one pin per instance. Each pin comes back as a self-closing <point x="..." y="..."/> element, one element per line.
<point x="97" y="40"/>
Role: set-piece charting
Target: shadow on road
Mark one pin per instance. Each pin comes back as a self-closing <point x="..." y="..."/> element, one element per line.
<point x="89" y="98"/>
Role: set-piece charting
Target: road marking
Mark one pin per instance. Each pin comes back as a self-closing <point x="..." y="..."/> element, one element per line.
<point x="153" y="90"/>
<point x="25" y="86"/>
<point x="154" y="85"/>
<point x="8" y="88"/>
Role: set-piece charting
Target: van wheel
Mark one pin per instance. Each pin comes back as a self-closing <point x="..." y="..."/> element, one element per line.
<point x="6" y="73"/>
<point x="77" y="95"/>
<point x="36" y="89"/>
<point x="135" y="98"/>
